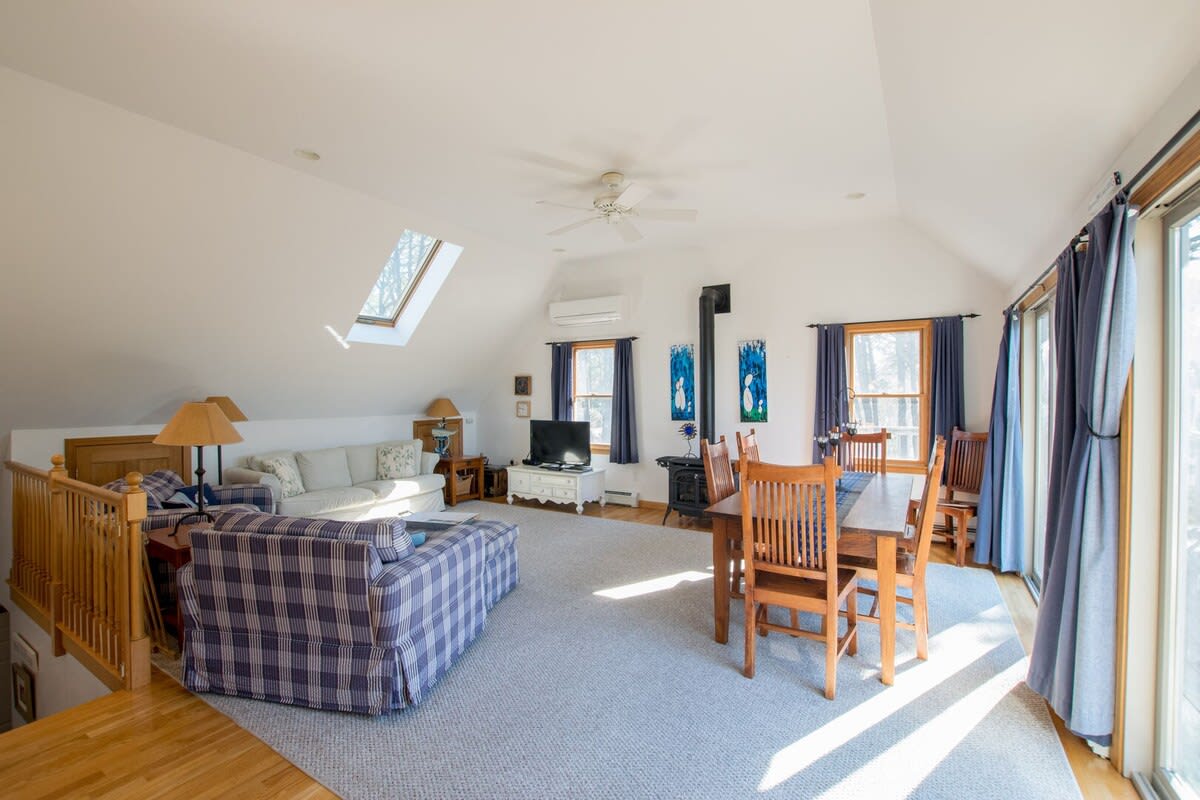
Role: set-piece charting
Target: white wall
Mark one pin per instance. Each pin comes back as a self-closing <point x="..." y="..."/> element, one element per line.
<point x="62" y="682"/>
<point x="779" y="284"/>
<point x="143" y="266"/>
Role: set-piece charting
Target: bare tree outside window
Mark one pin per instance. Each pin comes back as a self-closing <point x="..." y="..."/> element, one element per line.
<point x="592" y="395"/>
<point x="888" y="385"/>
<point x="399" y="278"/>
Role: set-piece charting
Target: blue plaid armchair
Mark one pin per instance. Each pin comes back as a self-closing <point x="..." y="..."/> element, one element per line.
<point x="160" y="485"/>
<point x="305" y="612"/>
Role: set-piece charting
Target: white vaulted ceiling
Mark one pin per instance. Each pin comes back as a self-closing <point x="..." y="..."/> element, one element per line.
<point x="974" y="120"/>
<point x="984" y="126"/>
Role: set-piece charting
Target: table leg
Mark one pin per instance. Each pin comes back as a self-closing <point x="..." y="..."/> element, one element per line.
<point x="721" y="556"/>
<point x="885" y="560"/>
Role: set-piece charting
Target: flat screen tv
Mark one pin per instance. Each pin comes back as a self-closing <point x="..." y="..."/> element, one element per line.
<point x="567" y="443"/>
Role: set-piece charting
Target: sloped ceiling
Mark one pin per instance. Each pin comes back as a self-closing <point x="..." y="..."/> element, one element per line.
<point x="984" y="126"/>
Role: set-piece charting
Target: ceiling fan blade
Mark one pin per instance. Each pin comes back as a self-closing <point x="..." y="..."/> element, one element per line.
<point x="668" y="214"/>
<point x="563" y="205"/>
<point x="634" y="193"/>
<point x="628" y="231"/>
<point x="572" y="226"/>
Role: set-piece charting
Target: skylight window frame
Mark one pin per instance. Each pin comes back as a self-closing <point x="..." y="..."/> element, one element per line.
<point x="386" y="322"/>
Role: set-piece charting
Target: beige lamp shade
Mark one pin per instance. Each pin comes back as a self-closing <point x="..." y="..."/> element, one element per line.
<point x="196" y="425"/>
<point x="228" y="408"/>
<point x="442" y="407"/>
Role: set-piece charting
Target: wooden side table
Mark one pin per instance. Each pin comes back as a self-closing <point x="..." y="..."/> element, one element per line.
<point x="176" y="551"/>
<point x="451" y="466"/>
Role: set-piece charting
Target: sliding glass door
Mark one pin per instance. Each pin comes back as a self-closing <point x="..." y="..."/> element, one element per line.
<point x="1179" y="696"/>
<point x="1044" y="381"/>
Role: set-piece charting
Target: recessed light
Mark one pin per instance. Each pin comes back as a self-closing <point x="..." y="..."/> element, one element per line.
<point x="856" y="195"/>
<point x="560" y="250"/>
<point x="307" y="155"/>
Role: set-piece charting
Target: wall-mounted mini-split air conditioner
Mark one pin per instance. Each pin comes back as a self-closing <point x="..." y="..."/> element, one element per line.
<point x="593" y="311"/>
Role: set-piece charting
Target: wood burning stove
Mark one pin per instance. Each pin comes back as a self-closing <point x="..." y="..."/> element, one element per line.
<point x="687" y="490"/>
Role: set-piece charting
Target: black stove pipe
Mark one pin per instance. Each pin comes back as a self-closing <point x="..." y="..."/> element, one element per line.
<point x="706" y="367"/>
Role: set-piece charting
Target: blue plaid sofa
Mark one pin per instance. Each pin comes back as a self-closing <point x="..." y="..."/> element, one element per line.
<point x="346" y="616"/>
<point x="161" y="485"/>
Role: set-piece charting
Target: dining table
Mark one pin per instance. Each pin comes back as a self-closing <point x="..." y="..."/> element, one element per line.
<point x="872" y="511"/>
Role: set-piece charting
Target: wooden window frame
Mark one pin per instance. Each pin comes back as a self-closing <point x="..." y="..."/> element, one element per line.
<point x="925" y="328"/>
<point x="408" y="293"/>
<point x="606" y="344"/>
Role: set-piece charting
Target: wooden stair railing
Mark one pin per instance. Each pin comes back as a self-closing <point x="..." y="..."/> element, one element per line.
<point x="77" y="569"/>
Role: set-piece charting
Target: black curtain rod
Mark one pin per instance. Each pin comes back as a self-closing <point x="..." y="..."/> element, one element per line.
<point x="605" y="339"/>
<point x="1149" y="167"/>
<point x="878" y="321"/>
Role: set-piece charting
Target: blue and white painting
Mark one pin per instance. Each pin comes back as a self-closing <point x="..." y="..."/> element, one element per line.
<point x="752" y="380"/>
<point x="683" y="381"/>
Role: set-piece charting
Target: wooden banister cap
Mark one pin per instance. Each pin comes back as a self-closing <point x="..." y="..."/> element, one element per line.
<point x="57" y="460"/>
<point x="134" y="479"/>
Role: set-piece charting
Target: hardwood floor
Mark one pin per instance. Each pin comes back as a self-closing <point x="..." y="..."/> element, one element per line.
<point x="160" y="741"/>
<point x="163" y="741"/>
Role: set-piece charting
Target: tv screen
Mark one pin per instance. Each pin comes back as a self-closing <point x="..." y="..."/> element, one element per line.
<point x="552" y="442"/>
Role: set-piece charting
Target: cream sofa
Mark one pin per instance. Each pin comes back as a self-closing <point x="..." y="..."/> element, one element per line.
<point x="343" y="483"/>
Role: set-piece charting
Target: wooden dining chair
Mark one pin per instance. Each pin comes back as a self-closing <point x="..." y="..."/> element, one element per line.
<point x="789" y="537"/>
<point x="864" y="452"/>
<point x="910" y="563"/>
<point x="964" y="476"/>
<point x="747" y="449"/>
<point x="718" y="472"/>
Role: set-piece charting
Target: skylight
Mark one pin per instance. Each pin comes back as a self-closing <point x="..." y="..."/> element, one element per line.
<point x="400" y="277"/>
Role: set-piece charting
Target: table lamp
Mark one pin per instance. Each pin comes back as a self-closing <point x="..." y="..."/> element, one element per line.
<point x="198" y="425"/>
<point x="234" y="414"/>
<point x="442" y="407"/>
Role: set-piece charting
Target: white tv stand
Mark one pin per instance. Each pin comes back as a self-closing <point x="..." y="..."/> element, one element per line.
<point x="557" y="486"/>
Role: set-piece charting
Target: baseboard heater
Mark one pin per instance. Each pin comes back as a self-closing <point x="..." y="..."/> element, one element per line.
<point x="620" y="498"/>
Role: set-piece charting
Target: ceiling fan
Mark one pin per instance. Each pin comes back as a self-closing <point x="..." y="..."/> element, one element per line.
<point x="618" y="206"/>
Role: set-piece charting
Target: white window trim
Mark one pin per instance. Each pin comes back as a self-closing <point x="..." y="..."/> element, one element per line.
<point x="418" y="303"/>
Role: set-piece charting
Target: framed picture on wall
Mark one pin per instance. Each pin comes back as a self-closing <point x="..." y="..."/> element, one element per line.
<point x="522" y="408"/>
<point x="523" y="385"/>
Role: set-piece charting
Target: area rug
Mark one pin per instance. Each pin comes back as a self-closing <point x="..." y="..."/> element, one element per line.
<point x="598" y="677"/>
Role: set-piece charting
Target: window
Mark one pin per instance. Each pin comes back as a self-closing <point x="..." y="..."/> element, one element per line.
<point x="1044" y="382"/>
<point x="591" y="395"/>
<point x="888" y="375"/>
<point x="400" y="277"/>
<point x="1179" y="695"/>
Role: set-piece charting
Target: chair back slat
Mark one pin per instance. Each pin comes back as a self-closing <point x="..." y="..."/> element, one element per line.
<point x="789" y="519"/>
<point x="965" y="473"/>
<point x="928" y="508"/>
<point x="864" y="452"/>
<point x="747" y="448"/>
<point x="718" y="472"/>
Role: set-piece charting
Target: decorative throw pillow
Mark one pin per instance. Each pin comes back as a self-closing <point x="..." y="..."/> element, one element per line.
<point x="400" y="460"/>
<point x="288" y="474"/>
<point x="158" y="486"/>
<point x="190" y="492"/>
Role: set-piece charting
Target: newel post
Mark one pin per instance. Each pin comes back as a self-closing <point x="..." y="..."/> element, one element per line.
<point x="133" y="512"/>
<point x="57" y="545"/>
